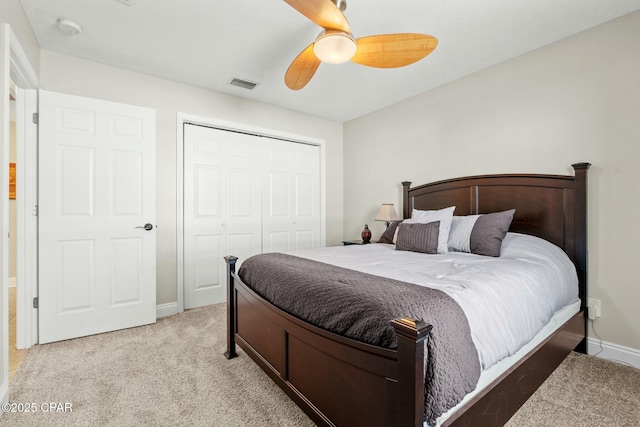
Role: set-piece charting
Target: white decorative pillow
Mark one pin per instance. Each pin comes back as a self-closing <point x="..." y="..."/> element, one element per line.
<point x="460" y="233"/>
<point x="445" y="216"/>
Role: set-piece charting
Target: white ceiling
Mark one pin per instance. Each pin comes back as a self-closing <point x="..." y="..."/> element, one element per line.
<point x="206" y="43"/>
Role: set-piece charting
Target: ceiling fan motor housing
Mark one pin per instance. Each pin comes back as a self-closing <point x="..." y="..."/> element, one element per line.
<point x="340" y="4"/>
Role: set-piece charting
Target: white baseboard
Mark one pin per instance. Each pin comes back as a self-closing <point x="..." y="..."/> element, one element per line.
<point x="11" y="282"/>
<point x="168" y="309"/>
<point x="613" y="352"/>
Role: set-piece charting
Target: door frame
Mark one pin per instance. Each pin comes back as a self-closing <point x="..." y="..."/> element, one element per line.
<point x="26" y="217"/>
<point x="27" y="84"/>
<point x="15" y="66"/>
<point x="184" y="118"/>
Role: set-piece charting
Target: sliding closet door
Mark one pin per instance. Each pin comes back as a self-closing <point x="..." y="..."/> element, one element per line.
<point x="277" y="202"/>
<point x="221" y="209"/>
<point x="291" y="197"/>
<point x="204" y="215"/>
<point x="306" y="196"/>
<point x="243" y="195"/>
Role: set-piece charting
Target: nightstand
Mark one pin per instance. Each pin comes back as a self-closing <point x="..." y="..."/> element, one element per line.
<point x="355" y="242"/>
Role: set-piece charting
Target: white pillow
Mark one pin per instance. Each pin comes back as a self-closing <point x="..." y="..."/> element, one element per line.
<point x="460" y="232"/>
<point x="445" y="216"/>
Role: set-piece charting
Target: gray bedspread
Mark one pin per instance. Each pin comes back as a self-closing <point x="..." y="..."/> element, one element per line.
<point x="360" y="306"/>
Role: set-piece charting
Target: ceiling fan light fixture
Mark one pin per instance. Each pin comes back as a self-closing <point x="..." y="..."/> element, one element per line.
<point x="334" y="47"/>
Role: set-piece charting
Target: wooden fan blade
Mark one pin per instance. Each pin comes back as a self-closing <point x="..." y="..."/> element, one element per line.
<point x="302" y="69"/>
<point x="322" y="12"/>
<point x="393" y="50"/>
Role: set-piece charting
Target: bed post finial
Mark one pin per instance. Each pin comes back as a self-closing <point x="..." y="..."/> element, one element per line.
<point x="583" y="165"/>
<point x="231" y="308"/>
<point x="405" y="199"/>
<point x="411" y="334"/>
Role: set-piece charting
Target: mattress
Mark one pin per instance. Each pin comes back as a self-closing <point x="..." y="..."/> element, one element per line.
<point x="508" y="300"/>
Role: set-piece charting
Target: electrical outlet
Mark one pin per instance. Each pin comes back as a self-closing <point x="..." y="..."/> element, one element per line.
<point x="596" y="306"/>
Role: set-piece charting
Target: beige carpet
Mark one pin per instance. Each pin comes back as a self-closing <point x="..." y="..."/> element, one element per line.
<point x="584" y="391"/>
<point x="173" y="373"/>
<point x="169" y="374"/>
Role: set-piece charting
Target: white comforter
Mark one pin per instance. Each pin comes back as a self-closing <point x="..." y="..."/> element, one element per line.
<point x="507" y="300"/>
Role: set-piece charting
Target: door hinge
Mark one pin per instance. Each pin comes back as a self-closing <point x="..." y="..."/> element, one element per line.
<point x="35" y="302"/>
<point x="35" y="210"/>
<point x="36" y="118"/>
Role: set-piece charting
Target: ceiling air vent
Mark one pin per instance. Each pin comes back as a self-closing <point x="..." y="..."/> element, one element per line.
<point x="245" y="84"/>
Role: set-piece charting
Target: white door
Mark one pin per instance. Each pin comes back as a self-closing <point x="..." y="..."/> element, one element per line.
<point x="221" y="208"/>
<point x="305" y="170"/>
<point x="96" y="193"/>
<point x="291" y="197"/>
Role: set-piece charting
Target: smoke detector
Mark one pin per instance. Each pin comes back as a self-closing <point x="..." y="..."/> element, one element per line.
<point x="69" y="27"/>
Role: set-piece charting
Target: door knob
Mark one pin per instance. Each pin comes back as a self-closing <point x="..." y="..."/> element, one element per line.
<point x="147" y="226"/>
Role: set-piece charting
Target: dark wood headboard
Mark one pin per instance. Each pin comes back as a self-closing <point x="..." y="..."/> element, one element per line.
<point x="553" y="207"/>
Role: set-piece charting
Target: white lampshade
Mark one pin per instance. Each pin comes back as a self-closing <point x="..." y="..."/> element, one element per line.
<point x="334" y="46"/>
<point x="387" y="213"/>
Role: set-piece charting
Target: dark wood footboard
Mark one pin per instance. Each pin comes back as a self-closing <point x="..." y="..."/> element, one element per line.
<point x="335" y="380"/>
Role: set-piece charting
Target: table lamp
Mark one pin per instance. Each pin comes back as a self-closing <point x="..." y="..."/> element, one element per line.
<point x="387" y="213"/>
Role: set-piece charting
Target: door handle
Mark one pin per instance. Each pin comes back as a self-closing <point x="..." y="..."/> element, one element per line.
<point x="147" y="226"/>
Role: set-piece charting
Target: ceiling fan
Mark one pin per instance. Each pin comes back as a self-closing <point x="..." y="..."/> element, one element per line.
<point x="336" y="44"/>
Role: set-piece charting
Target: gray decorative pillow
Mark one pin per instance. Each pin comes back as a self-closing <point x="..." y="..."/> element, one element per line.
<point x="443" y="215"/>
<point x="480" y="234"/>
<point x="387" y="236"/>
<point x="418" y="237"/>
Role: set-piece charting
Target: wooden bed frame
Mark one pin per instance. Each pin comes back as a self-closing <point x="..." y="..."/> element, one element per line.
<point x="341" y="382"/>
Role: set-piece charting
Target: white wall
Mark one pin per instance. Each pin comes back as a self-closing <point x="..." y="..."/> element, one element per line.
<point x="13" y="14"/>
<point x="61" y="73"/>
<point x="573" y="101"/>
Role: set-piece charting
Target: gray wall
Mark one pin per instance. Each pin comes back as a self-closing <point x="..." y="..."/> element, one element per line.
<point x="573" y="101"/>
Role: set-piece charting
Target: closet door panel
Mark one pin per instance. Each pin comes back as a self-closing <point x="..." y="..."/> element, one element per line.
<point x="205" y="169"/>
<point x="278" y="215"/>
<point x="244" y="195"/>
<point x="291" y="210"/>
<point x="306" y="176"/>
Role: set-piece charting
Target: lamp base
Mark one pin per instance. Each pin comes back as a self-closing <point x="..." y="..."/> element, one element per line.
<point x="366" y="234"/>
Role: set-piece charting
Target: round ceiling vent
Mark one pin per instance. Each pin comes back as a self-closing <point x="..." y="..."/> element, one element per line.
<point x="69" y="27"/>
